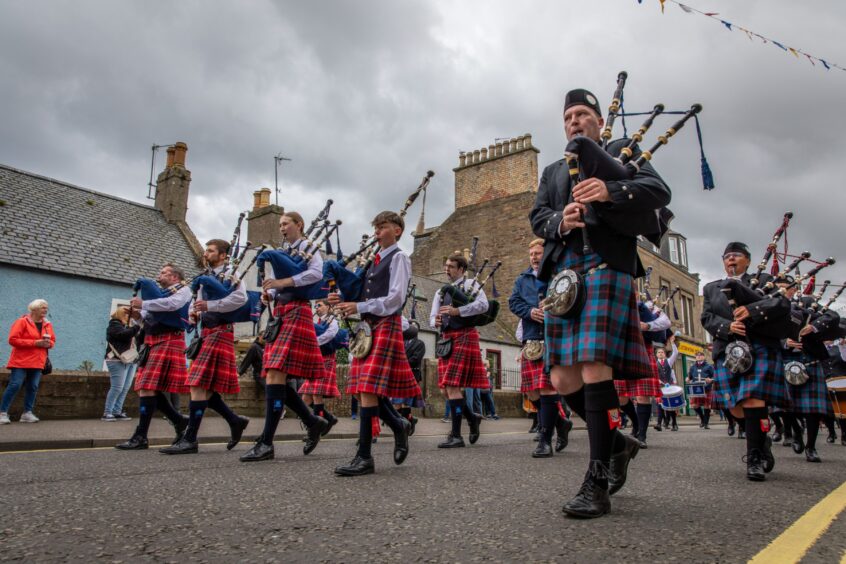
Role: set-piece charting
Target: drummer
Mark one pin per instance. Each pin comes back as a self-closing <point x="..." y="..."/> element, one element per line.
<point x="834" y="367"/>
<point x="700" y="372"/>
<point x="667" y="377"/>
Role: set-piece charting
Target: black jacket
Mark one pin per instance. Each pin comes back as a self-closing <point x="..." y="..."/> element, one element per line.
<point x="119" y="336"/>
<point x="769" y="319"/>
<point x="612" y="226"/>
<point x="415" y="350"/>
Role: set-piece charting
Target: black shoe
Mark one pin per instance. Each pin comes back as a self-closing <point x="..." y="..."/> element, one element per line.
<point x="741" y="434"/>
<point x="358" y="466"/>
<point x="332" y="421"/>
<point x="666" y="426"/>
<point x="536" y="438"/>
<point x="236" y="431"/>
<point x="619" y="468"/>
<point x="452" y="442"/>
<point x="179" y="428"/>
<point x="642" y="443"/>
<point x="592" y="500"/>
<point x="534" y="428"/>
<point x="414" y="421"/>
<point x="314" y="433"/>
<point x="183" y="446"/>
<point x="788" y="441"/>
<point x="675" y="427"/>
<point x="473" y="436"/>
<point x="767" y="458"/>
<point x="134" y="443"/>
<point x="798" y="445"/>
<point x="830" y="439"/>
<point x="544" y="449"/>
<point x="730" y="430"/>
<point x="658" y="427"/>
<point x="811" y="455"/>
<point x="843" y="440"/>
<point x="260" y="451"/>
<point x="401" y="442"/>
<point x="562" y="431"/>
<point x="706" y="426"/>
<point x="754" y="466"/>
<point x="777" y="437"/>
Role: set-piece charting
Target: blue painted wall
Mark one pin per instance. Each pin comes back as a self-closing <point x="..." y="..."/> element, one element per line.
<point x="79" y="312"/>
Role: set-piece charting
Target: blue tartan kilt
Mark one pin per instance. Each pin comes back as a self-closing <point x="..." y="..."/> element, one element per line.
<point x="812" y="396"/>
<point x="765" y="380"/>
<point x="608" y="328"/>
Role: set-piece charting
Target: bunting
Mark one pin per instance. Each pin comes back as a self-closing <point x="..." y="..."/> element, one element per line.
<point x="795" y="51"/>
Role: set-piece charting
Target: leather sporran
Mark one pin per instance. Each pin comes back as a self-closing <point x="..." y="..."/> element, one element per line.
<point x="443" y="347"/>
<point x="361" y="341"/>
<point x="143" y="354"/>
<point x="193" y="348"/>
<point x="272" y="329"/>
<point x="533" y="350"/>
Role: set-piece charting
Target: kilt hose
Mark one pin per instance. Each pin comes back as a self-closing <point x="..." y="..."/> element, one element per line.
<point x="532" y="376"/>
<point x="326" y="386"/>
<point x="607" y="330"/>
<point x="214" y="368"/>
<point x="463" y="368"/>
<point x="764" y="381"/>
<point x="384" y="372"/>
<point x="165" y="368"/>
<point x="295" y="351"/>
<point x="642" y="387"/>
<point x="812" y="396"/>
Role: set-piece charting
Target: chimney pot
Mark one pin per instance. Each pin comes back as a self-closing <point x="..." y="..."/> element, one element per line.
<point x="527" y="140"/>
<point x="499" y="149"/>
<point x="476" y="155"/>
<point x="484" y="154"/>
<point x="462" y="159"/>
<point x="179" y="150"/>
<point x="170" y="152"/>
<point x="264" y="197"/>
<point x="512" y="145"/>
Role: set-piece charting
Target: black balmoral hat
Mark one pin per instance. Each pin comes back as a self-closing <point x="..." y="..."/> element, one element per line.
<point x="582" y="97"/>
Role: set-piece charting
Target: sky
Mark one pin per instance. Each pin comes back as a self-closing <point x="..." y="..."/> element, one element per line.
<point x="366" y="96"/>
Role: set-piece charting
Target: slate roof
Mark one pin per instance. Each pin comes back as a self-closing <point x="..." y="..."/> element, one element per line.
<point x="496" y="331"/>
<point x="50" y="225"/>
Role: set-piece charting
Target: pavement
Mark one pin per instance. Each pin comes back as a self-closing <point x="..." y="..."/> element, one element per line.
<point x="687" y="500"/>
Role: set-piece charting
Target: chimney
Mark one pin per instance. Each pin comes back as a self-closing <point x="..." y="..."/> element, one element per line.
<point x="172" y="185"/>
<point x="263" y="220"/>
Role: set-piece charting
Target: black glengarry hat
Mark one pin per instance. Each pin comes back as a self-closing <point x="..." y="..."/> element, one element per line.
<point x="582" y="97"/>
<point x="737" y="247"/>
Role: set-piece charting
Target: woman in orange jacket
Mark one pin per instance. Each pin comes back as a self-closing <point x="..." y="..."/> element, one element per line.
<point x="30" y="337"/>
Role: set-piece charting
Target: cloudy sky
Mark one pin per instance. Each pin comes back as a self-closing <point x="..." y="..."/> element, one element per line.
<point x="365" y="96"/>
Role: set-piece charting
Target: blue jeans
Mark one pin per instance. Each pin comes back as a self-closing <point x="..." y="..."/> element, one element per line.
<point x="121" y="376"/>
<point x="488" y="402"/>
<point x="16" y="380"/>
<point x="474" y="399"/>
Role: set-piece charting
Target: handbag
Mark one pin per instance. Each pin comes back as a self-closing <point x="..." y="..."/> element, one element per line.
<point x="48" y="367"/>
<point x="128" y="356"/>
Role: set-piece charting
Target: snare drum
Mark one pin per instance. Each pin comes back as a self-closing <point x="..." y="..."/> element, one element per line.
<point x="672" y="398"/>
<point x="696" y="390"/>
<point x="837" y="394"/>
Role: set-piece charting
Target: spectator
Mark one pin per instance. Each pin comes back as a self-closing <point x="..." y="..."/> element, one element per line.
<point x="30" y="338"/>
<point x="488" y="407"/>
<point x="121" y="360"/>
<point x="253" y="359"/>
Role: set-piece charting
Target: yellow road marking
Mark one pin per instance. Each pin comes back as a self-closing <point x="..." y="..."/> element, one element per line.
<point x="793" y="543"/>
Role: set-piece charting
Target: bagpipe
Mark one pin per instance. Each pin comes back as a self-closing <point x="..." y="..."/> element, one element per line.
<point x="341" y="340"/>
<point x="459" y="297"/>
<point x="647" y="315"/>
<point x="151" y="290"/>
<point x="350" y="282"/>
<point x="217" y="289"/>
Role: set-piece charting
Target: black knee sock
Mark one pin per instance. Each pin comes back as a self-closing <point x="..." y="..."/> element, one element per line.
<point x="216" y="403"/>
<point x="601" y="409"/>
<point x="298" y="406"/>
<point x="779" y="423"/>
<point x="842" y="423"/>
<point x="389" y="415"/>
<point x="698" y="411"/>
<point x="576" y="401"/>
<point x="741" y="423"/>
<point x="706" y="415"/>
<point x="146" y="409"/>
<point x="829" y="423"/>
<point x="365" y="430"/>
<point x="673" y="415"/>
<point x="796" y="425"/>
<point x="457" y="406"/>
<point x="729" y="417"/>
<point x="163" y="404"/>
<point x="812" y="421"/>
<point x="757" y="423"/>
<point x="788" y="421"/>
<point x="631" y="412"/>
<point x="196" y="410"/>
<point x="659" y="415"/>
<point x="405" y="412"/>
<point x="548" y="415"/>
<point x="275" y="403"/>
<point x="644" y="412"/>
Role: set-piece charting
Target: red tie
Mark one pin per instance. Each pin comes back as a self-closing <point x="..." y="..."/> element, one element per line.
<point x="377" y="260"/>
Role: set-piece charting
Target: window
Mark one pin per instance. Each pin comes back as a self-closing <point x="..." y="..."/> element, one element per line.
<point x="674" y="249"/>
<point x="494" y="358"/>
<point x="683" y="252"/>
<point x="686" y="314"/>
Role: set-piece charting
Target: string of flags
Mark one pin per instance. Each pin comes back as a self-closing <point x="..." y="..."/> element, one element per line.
<point x="795" y="51"/>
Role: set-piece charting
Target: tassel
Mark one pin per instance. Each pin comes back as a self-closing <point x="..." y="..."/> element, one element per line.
<point x="812" y="283"/>
<point x="774" y="269"/>
<point x="494" y="291"/>
<point x="375" y="428"/>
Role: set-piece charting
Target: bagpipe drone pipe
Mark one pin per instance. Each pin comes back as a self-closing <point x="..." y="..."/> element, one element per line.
<point x="459" y="297"/>
<point x="150" y="290"/>
<point x="285" y="265"/>
<point x="214" y="289"/>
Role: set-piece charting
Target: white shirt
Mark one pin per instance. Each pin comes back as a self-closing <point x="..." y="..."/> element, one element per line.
<point x="229" y="303"/>
<point x="477" y="306"/>
<point x="671" y="361"/>
<point x="329" y="334"/>
<point x="311" y="275"/>
<point x="397" y="286"/>
<point x="169" y="303"/>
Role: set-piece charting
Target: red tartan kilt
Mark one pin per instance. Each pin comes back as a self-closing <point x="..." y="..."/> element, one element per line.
<point x="644" y="387"/>
<point x="295" y="351"/>
<point x="326" y="386"/>
<point x="704" y="403"/>
<point x="532" y="376"/>
<point x="385" y="371"/>
<point x="214" y="368"/>
<point x="464" y="367"/>
<point x="165" y="369"/>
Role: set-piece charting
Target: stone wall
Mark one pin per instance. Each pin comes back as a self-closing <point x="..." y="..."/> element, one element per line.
<point x="503" y="169"/>
<point x="79" y="395"/>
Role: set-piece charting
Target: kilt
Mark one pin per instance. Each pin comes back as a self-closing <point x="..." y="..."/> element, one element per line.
<point x="608" y="328"/>
<point x="385" y="371"/>
<point x="464" y="367"/>
<point x="165" y="369"/>
<point x="532" y="376"/>
<point x="642" y="387"/>
<point x="295" y="351"/>
<point x="812" y="396"/>
<point x="327" y="386"/>
<point x="705" y="402"/>
<point x="214" y="368"/>
<point x="765" y="381"/>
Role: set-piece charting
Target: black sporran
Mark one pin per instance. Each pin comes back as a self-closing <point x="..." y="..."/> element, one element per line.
<point x="271" y="331"/>
<point x="143" y="354"/>
<point x="443" y="347"/>
<point x="194" y="347"/>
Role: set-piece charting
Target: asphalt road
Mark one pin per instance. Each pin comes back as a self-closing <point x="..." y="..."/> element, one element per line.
<point x="687" y="499"/>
